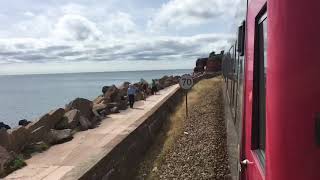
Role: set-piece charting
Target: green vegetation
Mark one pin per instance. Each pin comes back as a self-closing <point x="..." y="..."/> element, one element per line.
<point x="19" y="160"/>
<point x="15" y="164"/>
<point x="34" y="148"/>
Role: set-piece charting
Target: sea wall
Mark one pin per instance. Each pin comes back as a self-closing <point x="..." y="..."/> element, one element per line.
<point x="121" y="161"/>
<point x="123" y="158"/>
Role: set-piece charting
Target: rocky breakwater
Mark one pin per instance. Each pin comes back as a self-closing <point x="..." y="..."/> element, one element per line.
<point x="59" y="125"/>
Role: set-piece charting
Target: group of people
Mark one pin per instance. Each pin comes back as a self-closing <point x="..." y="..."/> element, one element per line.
<point x="132" y="90"/>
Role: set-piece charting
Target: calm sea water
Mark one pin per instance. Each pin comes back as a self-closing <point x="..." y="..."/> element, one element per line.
<point x="30" y="96"/>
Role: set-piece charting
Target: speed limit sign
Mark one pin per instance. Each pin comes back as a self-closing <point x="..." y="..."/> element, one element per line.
<point x="186" y="81"/>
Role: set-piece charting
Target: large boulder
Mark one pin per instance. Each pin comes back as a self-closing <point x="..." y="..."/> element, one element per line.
<point x="5" y="158"/>
<point x="59" y="136"/>
<point x="124" y="85"/>
<point x="114" y="110"/>
<point x="73" y="117"/>
<point x="98" y="107"/>
<point x="85" y="124"/>
<point x="69" y="120"/>
<point x="168" y="82"/>
<point x="98" y="99"/>
<point x="112" y="105"/>
<point x="99" y="110"/>
<point x="48" y="120"/>
<point x="104" y="112"/>
<point x="112" y="94"/>
<point x="163" y="79"/>
<point x="24" y="122"/>
<point x="105" y="89"/>
<point x="176" y="79"/>
<point x="123" y="104"/>
<point x="39" y="134"/>
<point x="139" y="96"/>
<point x="123" y="89"/>
<point x="83" y="105"/>
<point x="19" y="138"/>
<point x="5" y="126"/>
<point x="5" y="139"/>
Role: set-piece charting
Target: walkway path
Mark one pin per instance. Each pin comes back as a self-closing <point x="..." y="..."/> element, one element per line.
<point x="72" y="159"/>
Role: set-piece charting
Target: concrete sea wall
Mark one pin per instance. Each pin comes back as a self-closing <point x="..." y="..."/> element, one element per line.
<point x="120" y="162"/>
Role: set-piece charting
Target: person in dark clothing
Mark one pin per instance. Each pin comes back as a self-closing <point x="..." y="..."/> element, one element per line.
<point x="131" y="93"/>
<point x="154" y="87"/>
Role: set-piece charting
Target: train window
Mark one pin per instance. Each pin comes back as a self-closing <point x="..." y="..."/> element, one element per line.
<point x="241" y="38"/>
<point x="259" y="90"/>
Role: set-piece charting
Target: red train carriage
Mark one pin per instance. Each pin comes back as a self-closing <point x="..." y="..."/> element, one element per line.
<point x="271" y="81"/>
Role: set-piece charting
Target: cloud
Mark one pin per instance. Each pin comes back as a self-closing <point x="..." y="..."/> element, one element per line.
<point x="76" y="28"/>
<point x="73" y="8"/>
<point x="29" y="14"/>
<point x="53" y="32"/>
<point x="178" y="14"/>
<point x="120" y="23"/>
<point x="34" y="26"/>
<point x="146" y="49"/>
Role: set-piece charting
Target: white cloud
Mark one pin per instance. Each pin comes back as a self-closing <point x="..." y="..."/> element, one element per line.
<point x="120" y="23"/>
<point x="161" y="48"/>
<point x="29" y="14"/>
<point x="61" y="35"/>
<point x="34" y="26"/>
<point x="177" y="13"/>
<point x="74" y="9"/>
<point x="76" y="28"/>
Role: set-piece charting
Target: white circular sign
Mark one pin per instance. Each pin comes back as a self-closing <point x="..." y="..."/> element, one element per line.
<point x="186" y="81"/>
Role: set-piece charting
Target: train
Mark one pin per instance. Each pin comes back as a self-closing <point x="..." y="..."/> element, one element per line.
<point x="271" y="73"/>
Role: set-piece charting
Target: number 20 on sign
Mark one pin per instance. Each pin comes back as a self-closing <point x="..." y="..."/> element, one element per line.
<point x="186" y="83"/>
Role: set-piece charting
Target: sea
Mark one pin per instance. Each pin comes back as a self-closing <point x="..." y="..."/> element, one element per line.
<point x="30" y="96"/>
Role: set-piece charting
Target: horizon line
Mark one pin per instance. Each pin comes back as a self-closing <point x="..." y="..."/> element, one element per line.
<point x="26" y="74"/>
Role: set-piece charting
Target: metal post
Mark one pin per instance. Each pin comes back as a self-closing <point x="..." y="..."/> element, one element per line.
<point x="186" y="103"/>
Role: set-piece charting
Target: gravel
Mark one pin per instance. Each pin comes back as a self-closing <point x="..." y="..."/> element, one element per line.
<point x="200" y="150"/>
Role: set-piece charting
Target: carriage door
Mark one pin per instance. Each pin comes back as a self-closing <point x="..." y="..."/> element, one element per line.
<point x="254" y="157"/>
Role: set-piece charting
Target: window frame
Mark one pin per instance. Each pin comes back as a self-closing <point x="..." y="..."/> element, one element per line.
<point x="259" y="87"/>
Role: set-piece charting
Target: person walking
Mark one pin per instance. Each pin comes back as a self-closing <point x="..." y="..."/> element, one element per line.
<point x="131" y="93"/>
<point x="154" y="87"/>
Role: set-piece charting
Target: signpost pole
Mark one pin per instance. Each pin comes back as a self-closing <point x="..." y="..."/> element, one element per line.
<point x="186" y="83"/>
<point x="187" y="103"/>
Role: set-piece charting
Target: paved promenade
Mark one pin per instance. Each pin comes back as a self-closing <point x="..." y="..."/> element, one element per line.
<point x="72" y="159"/>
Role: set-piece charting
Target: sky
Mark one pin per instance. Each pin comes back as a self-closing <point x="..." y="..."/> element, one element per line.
<point x="64" y="36"/>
